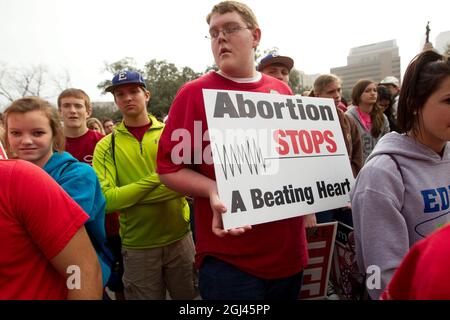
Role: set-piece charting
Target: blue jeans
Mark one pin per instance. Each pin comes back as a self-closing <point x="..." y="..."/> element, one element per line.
<point x="219" y="280"/>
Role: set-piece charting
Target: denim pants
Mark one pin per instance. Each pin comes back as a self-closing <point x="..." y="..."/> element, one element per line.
<point x="222" y="281"/>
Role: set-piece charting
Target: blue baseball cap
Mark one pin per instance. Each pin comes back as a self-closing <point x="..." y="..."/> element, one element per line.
<point x="273" y="58"/>
<point x="126" y="77"/>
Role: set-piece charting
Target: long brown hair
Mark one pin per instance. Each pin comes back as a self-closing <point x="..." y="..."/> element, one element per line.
<point x="376" y="115"/>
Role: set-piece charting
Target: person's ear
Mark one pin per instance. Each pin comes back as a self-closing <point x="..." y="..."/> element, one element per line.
<point x="256" y="37"/>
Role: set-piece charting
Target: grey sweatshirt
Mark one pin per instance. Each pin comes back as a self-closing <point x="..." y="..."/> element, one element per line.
<point x="368" y="142"/>
<point x="392" y="208"/>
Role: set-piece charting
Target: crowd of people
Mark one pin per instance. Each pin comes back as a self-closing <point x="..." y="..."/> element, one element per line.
<point x="88" y="207"/>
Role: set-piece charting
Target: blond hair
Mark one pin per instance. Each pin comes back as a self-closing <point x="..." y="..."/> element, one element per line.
<point x="90" y="124"/>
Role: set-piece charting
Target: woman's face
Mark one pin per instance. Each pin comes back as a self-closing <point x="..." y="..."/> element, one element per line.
<point x="384" y="104"/>
<point x="96" y="127"/>
<point x="435" y="118"/>
<point x="369" y="95"/>
<point x="30" y="136"/>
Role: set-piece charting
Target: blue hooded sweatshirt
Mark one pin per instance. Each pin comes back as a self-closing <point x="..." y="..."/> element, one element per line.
<point x="81" y="183"/>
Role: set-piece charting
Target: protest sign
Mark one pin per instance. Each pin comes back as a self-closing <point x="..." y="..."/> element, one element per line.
<point x="345" y="273"/>
<point x="276" y="156"/>
<point x="320" y="251"/>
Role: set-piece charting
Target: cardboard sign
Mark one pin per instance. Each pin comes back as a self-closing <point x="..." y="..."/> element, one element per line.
<point x="276" y="156"/>
<point x="349" y="280"/>
<point x="3" y="155"/>
<point x="320" y="250"/>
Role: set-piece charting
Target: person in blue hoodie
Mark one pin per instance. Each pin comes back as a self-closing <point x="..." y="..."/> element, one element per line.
<point x="402" y="193"/>
<point x="34" y="133"/>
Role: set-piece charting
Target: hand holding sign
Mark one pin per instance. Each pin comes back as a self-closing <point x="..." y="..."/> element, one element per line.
<point x="218" y="208"/>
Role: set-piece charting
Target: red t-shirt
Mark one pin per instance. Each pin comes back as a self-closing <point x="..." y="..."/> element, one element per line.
<point x="82" y="148"/>
<point x="139" y="132"/>
<point x="423" y="274"/>
<point x="270" y="250"/>
<point x="37" y="220"/>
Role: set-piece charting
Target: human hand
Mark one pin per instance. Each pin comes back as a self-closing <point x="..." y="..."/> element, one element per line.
<point x="310" y="220"/>
<point x="218" y="208"/>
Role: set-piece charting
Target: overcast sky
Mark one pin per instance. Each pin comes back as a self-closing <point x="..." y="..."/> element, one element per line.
<point x="81" y="35"/>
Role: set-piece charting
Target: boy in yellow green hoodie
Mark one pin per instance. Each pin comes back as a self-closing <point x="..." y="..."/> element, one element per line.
<point x="157" y="246"/>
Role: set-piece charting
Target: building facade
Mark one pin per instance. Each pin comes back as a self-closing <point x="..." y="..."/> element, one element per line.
<point x="373" y="61"/>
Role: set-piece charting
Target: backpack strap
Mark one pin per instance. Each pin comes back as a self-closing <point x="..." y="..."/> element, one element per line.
<point x="113" y="146"/>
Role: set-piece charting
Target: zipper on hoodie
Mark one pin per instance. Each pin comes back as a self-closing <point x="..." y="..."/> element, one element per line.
<point x="140" y="142"/>
<point x="134" y="138"/>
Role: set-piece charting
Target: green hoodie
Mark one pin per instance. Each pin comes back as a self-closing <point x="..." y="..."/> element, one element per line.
<point x="151" y="215"/>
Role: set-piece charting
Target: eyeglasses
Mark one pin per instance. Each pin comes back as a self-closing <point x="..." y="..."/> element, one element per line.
<point x="229" y="30"/>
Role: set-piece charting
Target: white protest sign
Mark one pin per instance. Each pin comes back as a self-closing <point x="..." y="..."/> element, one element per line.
<point x="3" y="155"/>
<point x="276" y="156"/>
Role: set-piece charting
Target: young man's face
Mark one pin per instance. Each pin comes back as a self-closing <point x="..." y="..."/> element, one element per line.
<point x="234" y="52"/>
<point x="74" y="112"/>
<point x="394" y="90"/>
<point x="333" y="91"/>
<point x="108" y="126"/>
<point x="278" y="71"/>
<point x="131" y="100"/>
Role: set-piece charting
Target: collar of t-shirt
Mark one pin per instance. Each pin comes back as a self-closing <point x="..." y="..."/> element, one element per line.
<point x="139" y="132"/>
<point x="254" y="79"/>
<point x="366" y="120"/>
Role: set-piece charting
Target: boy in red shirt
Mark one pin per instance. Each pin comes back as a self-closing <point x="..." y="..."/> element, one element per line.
<point x="267" y="261"/>
<point x="74" y="108"/>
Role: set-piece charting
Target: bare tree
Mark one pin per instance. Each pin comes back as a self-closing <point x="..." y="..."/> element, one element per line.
<point x="62" y="81"/>
<point x="16" y="83"/>
<point x="35" y="80"/>
<point x="31" y="81"/>
<point x="5" y="90"/>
